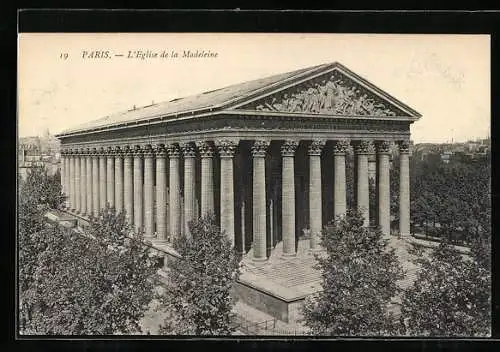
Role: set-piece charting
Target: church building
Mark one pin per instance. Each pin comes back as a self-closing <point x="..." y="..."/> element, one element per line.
<point x="267" y="157"/>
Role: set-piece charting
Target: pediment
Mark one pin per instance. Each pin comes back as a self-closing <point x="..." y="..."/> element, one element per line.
<point x="332" y="93"/>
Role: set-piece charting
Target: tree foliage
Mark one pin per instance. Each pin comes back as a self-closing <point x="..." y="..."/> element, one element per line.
<point x="452" y="292"/>
<point x="199" y="298"/>
<point x="36" y="194"/>
<point x="456" y="195"/>
<point x="359" y="273"/>
<point x="92" y="283"/>
<point x="451" y="296"/>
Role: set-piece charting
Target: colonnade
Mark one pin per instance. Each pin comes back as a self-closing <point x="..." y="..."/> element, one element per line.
<point x="134" y="179"/>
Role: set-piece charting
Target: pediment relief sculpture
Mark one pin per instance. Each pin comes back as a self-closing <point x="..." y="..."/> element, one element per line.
<point x="333" y="94"/>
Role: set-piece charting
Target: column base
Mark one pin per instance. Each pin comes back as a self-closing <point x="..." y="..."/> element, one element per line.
<point x="403" y="235"/>
<point x="259" y="261"/>
<point x="288" y="255"/>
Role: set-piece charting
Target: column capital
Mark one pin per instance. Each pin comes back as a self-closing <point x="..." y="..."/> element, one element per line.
<point x="81" y="151"/>
<point x="206" y="149"/>
<point x="362" y="146"/>
<point x="95" y="152"/>
<point x="161" y="152"/>
<point x="259" y="148"/>
<point x="173" y="150"/>
<point x="289" y="147"/>
<point x="110" y="151"/>
<point x="88" y="151"/>
<point x="404" y="146"/>
<point x="383" y="147"/>
<point x="101" y="151"/>
<point x="148" y="151"/>
<point x="138" y="151"/>
<point x="188" y="150"/>
<point x="340" y="146"/>
<point x="226" y="147"/>
<point x="118" y="152"/>
<point x="127" y="151"/>
<point x="316" y="147"/>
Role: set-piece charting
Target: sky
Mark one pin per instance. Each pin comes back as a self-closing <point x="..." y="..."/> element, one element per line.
<point x="446" y="78"/>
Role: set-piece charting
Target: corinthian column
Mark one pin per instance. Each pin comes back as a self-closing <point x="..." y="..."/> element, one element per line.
<point x="138" y="189"/>
<point x="339" y="195"/>
<point x="207" y="177"/>
<point x="77" y="181"/>
<point x="74" y="156"/>
<point x="288" y="149"/>
<point x="174" y="184"/>
<point x="110" y="177"/>
<point x="404" y="188"/>
<point x="70" y="180"/>
<point x="383" y="191"/>
<point x="88" y="180"/>
<point x="226" y="150"/>
<point x="259" y="149"/>
<point x="118" y="180"/>
<point x="315" y="194"/>
<point x="67" y="178"/>
<point x="128" y="184"/>
<point x="102" y="178"/>
<point x="148" y="191"/>
<point x="189" y="152"/>
<point x="362" y="149"/>
<point x="63" y="172"/>
<point x="83" y="182"/>
<point x="161" y="193"/>
<point x="95" y="182"/>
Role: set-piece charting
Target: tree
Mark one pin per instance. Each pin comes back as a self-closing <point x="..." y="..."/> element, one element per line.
<point x="451" y="296"/>
<point x="39" y="192"/>
<point x="359" y="273"/>
<point x="455" y="195"/>
<point x="43" y="188"/>
<point x="199" y="298"/>
<point x="95" y="283"/>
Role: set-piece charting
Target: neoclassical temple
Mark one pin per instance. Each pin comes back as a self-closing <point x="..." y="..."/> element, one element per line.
<point x="267" y="157"/>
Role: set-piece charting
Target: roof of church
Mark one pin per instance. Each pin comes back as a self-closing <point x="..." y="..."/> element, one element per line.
<point x="207" y="101"/>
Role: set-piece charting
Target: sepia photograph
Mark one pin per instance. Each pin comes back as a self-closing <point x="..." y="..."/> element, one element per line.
<point x="259" y="184"/>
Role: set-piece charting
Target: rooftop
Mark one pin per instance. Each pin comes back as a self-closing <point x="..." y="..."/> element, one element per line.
<point x="202" y="101"/>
